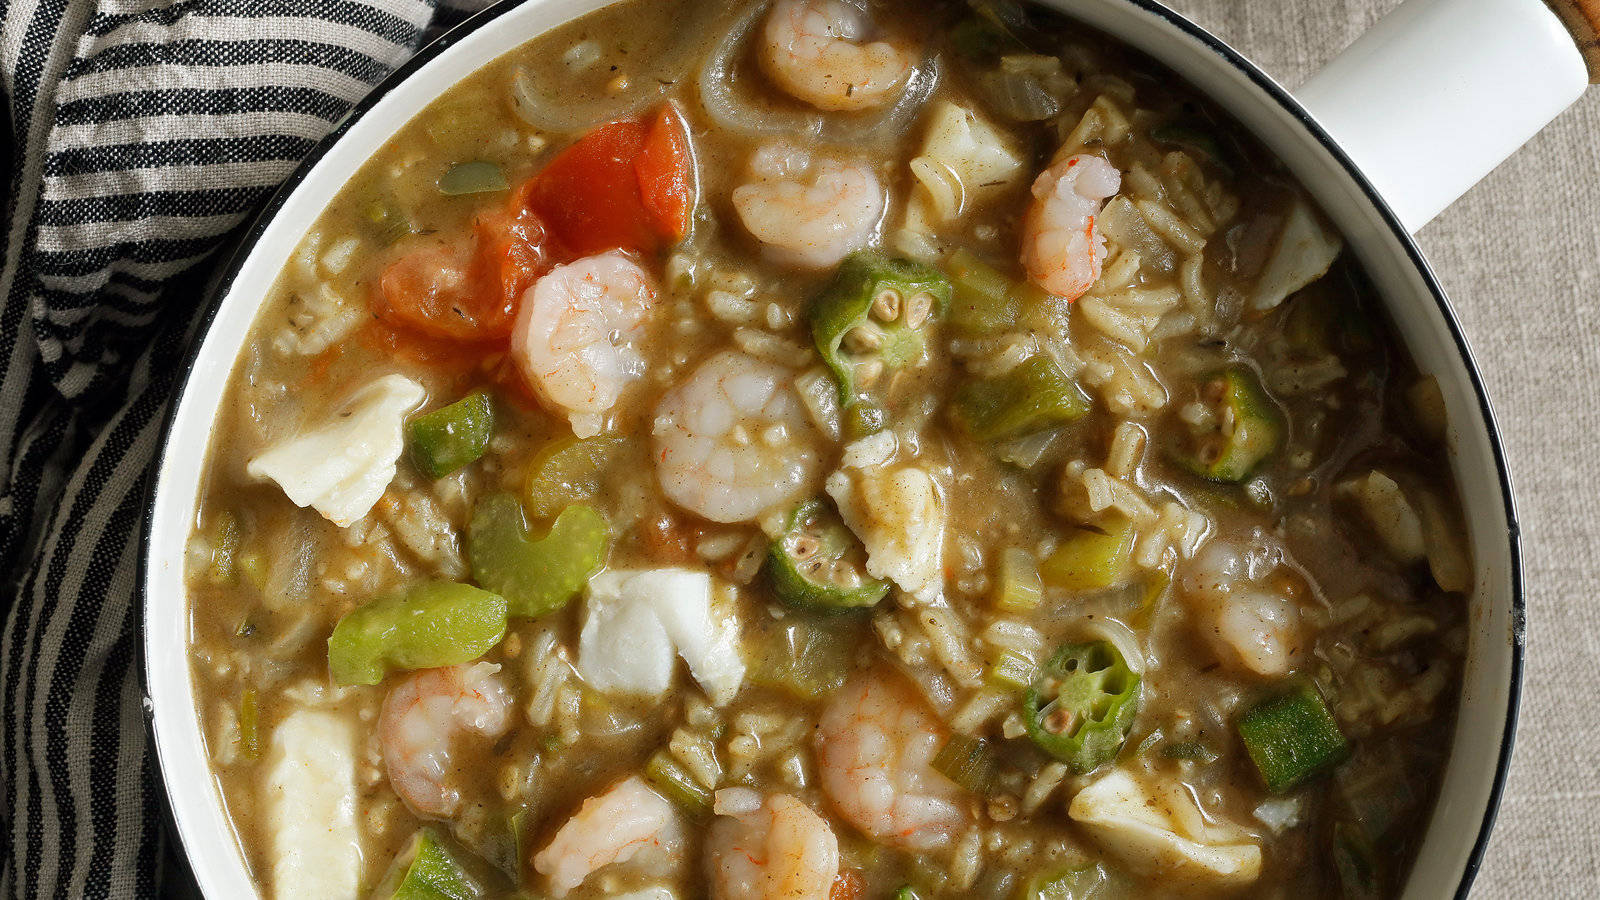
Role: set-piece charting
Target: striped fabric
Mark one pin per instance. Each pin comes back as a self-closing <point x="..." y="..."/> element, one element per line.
<point x="144" y="132"/>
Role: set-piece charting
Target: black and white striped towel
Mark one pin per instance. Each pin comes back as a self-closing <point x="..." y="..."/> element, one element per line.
<point x="144" y="131"/>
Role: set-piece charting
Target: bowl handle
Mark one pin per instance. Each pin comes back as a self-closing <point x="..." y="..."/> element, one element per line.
<point x="1440" y="92"/>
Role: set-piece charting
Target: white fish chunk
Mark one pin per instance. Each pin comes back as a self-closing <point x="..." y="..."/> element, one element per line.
<point x="310" y="800"/>
<point x="343" y="466"/>
<point x="964" y="161"/>
<point x="1305" y="250"/>
<point x="637" y="620"/>
<point x="1163" y="831"/>
<point x="898" y="514"/>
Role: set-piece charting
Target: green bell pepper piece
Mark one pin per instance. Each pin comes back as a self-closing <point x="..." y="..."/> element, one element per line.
<point x="876" y="308"/>
<point x="1083" y="704"/>
<point x="568" y="471"/>
<point x="805" y="657"/>
<point x="451" y="436"/>
<point x="436" y="623"/>
<point x="1292" y="738"/>
<point x="1251" y="428"/>
<point x="817" y="564"/>
<point x="1031" y="397"/>
<point x="536" y="576"/>
<point x="1091" y="559"/>
<point x="427" y="870"/>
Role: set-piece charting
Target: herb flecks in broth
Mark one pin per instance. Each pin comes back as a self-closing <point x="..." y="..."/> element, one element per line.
<point x="826" y="451"/>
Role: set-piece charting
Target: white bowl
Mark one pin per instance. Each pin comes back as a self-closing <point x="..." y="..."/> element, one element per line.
<point x="1481" y="746"/>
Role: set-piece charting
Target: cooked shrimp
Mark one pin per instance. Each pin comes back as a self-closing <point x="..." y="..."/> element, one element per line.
<point x="809" y="212"/>
<point x="733" y="441"/>
<point x="876" y="741"/>
<point x="777" y="849"/>
<point x="1061" y="248"/>
<point x="420" y="720"/>
<point x="1249" y="625"/>
<point x="576" y="334"/>
<point x="630" y="822"/>
<point x="816" y="51"/>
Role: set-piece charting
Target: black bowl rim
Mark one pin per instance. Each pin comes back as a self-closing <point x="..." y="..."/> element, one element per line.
<point x="1224" y="52"/>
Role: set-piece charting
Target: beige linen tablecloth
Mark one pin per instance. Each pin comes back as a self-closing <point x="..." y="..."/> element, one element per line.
<point x="1520" y="258"/>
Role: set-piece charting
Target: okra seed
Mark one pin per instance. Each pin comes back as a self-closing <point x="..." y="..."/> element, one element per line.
<point x="918" y="310"/>
<point x="805" y="546"/>
<point x="886" y="306"/>
<point x="862" y="339"/>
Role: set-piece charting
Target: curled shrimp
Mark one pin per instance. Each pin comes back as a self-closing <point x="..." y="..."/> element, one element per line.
<point x="733" y="441"/>
<point x="1061" y="248"/>
<point x="1250" y="626"/>
<point x="817" y="52"/>
<point x="630" y="822"/>
<point x="771" y="849"/>
<point x="876" y="741"/>
<point x="809" y="212"/>
<point x="576" y="334"/>
<point x="420" y="720"/>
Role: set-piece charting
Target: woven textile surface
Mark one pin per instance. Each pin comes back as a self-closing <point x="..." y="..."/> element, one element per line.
<point x="145" y="130"/>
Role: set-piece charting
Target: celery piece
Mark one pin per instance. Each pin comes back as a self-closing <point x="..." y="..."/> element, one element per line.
<point x="1031" y="397"/>
<point x="1012" y="671"/>
<point x="968" y="761"/>
<point x="249" y="725"/>
<point x="1020" y="589"/>
<point x="450" y="437"/>
<point x="475" y="177"/>
<point x="1091" y="558"/>
<point x="808" y="659"/>
<point x="567" y="471"/>
<point x="676" y="783"/>
<point x="536" y="576"/>
<point x="435" y="623"/>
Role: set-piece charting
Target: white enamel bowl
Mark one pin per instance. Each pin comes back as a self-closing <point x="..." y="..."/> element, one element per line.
<point x="1382" y="134"/>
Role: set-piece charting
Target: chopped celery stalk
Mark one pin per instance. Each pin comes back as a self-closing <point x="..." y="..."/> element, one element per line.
<point x="1196" y="141"/>
<point x="1292" y="738"/>
<point x="968" y="761"/>
<point x="451" y="436"/>
<point x="1250" y="428"/>
<point x="817" y="563"/>
<point x="985" y="301"/>
<point x="388" y="223"/>
<point x="1355" y="862"/>
<point x="809" y="659"/>
<point x="253" y="566"/>
<point x="472" y="178"/>
<point x="435" y="623"/>
<point x="225" y="549"/>
<point x="1084" y="883"/>
<point x="536" y="576"/>
<point x="570" y="470"/>
<point x="875" y="313"/>
<point x="1083" y="704"/>
<point x="675" y="783"/>
<point x="1012" y="671"/>
<point x="249" y="725"/>
<point x="427" y="870"/>
<point x="1190" y="750"/>
<point x="1020" y="589"/>
<point x="1031" y="397"/>
<point x="1091" y="559"/>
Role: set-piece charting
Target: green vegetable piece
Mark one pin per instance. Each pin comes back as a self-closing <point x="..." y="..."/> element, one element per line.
<point x="1031" y="397"/>
<point x="668" y="776"/>
<point x="451" y="436"/>
<point x="807" y="658"/>
<point x="570" y="470"/>
<point x="1083" y="883"/>
<point x="435" y="623"/>
<point x="472" y="178"/>
<point x="1092" y="558"/>
<point x="968" y="761"/>
<point x="1355" y="861"/>
<point x="388" y="223"/>
<point x="1252" y="428"/>
<point x="1012" y="671"/>
<point x="1195" y="140"/>
<point x="1082" y="706"/>
<point x="907" y="892"/>
<point x="249" y="725"/>
<point x="1020" y="589"/>
<point x="1190" y="750"/>
<point x="874" y="312"/>
<point x="536" y="576"/>
<point x="817" y="564"/>
<point x="225" y="543"/>
<point x="984" y="300"/>
<point x="1292" y="738"/>
<point x="427" y="870"/>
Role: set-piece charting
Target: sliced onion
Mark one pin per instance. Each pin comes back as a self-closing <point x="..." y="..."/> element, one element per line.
<point x="1018" y="95"/>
